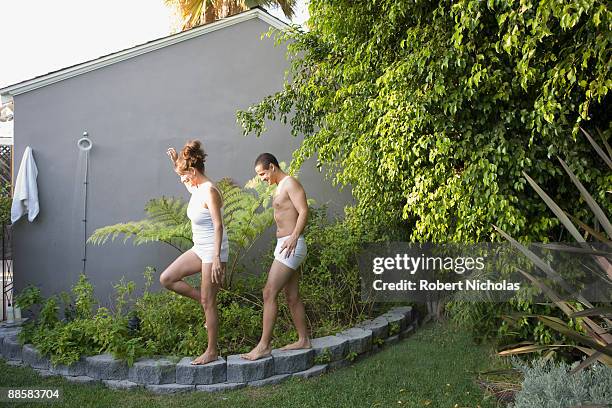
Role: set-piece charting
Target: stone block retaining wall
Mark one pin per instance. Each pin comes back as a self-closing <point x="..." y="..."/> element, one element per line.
<point x="163" y="376"/>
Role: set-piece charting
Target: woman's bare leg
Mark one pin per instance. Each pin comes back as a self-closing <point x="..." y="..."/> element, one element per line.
<point x="185" y="265"/>
<point x="208" y="299"/>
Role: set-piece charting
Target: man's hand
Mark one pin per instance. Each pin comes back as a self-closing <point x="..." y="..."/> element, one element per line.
<point x="289" y="246"/>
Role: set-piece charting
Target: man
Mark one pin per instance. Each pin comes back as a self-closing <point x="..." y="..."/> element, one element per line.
<point x="290" y="214"/>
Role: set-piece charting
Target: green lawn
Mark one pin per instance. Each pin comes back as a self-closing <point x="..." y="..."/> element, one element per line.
<point x="434" y="368"/>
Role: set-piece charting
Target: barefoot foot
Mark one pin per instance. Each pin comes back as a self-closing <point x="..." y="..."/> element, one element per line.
<point x="257" y="353"/>
<point x="205" y="358"/>
<point x="300" y="344"/>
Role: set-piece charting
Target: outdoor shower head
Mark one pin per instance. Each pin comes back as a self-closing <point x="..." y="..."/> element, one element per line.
<point x="85" y="142"/>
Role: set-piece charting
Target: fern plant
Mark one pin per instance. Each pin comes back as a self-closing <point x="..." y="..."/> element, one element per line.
<point x="247" y="214"/>
<point x="166" y="222"/>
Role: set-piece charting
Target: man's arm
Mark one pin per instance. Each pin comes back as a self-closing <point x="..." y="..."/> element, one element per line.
<point x="297" y="195"/>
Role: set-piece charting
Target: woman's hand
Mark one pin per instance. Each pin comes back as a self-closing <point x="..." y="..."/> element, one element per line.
<point x="217" y="271"/>
<point x="172" y="154"/>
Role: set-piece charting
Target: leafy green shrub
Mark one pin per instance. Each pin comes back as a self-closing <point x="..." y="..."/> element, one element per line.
<point x="558" y="324"/>
<point x="548" y="384"/>
<point x="170" y="323"/>
<point x="81" y="332"/>
<point x="330" y="283"/>
<point x="588" y="323"/>
<point x="84" y="298"/>
<point x="174" y="324"/>
<point x="486" y="322"/>
<point x="28" y="297"/>
<point x="429" y="111"/>
<point x="48" y="318"/>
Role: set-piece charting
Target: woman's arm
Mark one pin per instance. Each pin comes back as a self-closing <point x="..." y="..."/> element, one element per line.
<point x="213" y="201"/>
<point x="171" y="152"/>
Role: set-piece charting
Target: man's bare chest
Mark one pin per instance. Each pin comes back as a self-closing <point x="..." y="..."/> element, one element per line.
<point x="281" y="201"/>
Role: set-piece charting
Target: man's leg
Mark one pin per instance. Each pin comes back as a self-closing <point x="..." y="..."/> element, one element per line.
<point x="278" y="277"/>
<point x="208" y="299"/>
<point x="298" y="313"/>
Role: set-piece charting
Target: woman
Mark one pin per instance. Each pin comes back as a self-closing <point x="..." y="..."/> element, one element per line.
<point x="210" y="250"/>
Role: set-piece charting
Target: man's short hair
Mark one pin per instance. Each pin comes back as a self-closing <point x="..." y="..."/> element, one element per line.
<point x="265" y="159"/>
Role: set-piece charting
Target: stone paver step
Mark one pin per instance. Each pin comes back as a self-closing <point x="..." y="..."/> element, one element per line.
<point x="211" y="373"/>
<point x="292" y="361"/>
<point x="240" y="370"/>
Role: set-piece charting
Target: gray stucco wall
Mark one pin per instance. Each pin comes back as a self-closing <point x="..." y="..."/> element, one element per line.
<point x="134" y="110"/>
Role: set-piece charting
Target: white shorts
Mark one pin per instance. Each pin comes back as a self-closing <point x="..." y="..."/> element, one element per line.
<point x="298" y="255"/>
<point x="207" y="252"/>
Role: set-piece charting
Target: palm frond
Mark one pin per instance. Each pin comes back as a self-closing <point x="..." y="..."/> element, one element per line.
<point x="193" y="13"/>
<point x="288" y="6"/>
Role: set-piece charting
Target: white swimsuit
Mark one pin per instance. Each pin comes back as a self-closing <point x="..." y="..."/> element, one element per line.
<point x="203" y="229"/>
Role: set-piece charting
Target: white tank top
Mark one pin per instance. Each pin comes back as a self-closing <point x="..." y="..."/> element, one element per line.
<point x="201" y="221"/>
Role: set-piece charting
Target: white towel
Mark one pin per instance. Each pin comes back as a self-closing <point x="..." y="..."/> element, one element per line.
<point x="25" y="193"/>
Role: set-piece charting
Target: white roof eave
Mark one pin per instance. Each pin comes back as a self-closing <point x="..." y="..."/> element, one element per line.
<point x="8" y="92"/>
